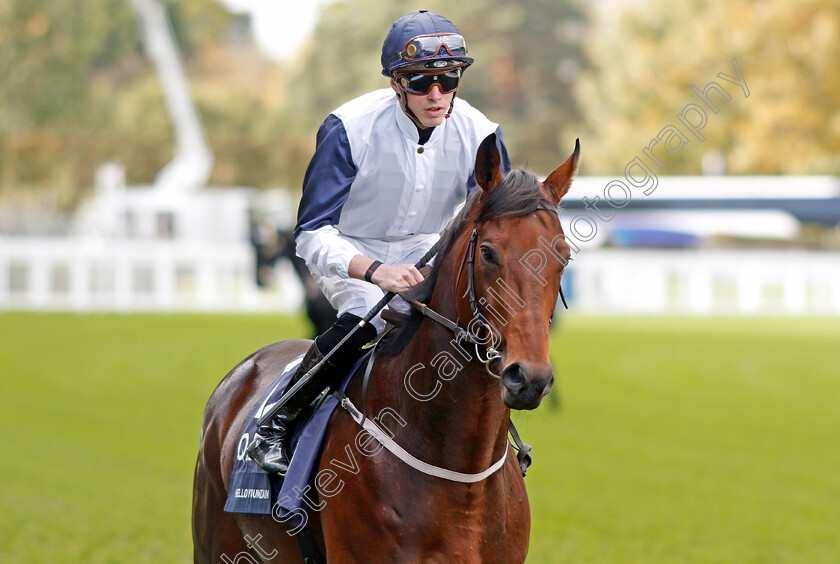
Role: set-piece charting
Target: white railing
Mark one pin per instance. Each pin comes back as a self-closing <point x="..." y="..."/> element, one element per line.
<point x="707" y="282"/>
<point x="87" y="274"/>
<point x="90" y="274"/>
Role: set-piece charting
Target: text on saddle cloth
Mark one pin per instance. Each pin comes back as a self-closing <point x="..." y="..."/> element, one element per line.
<point x="252" y="489"/>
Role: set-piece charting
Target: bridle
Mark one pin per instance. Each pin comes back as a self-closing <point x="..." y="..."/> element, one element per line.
<point x="465" y="334"/>
<point x="462" y="334"/>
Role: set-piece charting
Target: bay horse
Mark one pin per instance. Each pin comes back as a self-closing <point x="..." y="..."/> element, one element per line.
<point x="446" y="402"/>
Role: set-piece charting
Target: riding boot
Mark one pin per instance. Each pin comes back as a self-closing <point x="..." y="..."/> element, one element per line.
<point x="270" y="446"/>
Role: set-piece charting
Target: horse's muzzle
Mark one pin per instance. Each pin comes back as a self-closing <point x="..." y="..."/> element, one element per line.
<point x="525" y="384"/>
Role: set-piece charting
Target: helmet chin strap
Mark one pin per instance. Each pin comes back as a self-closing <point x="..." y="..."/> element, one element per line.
<point x="452" y="103"/>
<point x="407" y="111"/>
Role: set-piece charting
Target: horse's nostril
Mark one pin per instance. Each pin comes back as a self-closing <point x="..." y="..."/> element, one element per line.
<point x="512" y="378"/>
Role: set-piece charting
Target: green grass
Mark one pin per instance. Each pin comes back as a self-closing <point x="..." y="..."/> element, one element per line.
<point x="690" y="441"/>
<point x="677" y="440"/>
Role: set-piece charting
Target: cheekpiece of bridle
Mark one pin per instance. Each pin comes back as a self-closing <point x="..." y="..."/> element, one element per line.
<point x="463" y="334"/>
<point x="491" y="354"/>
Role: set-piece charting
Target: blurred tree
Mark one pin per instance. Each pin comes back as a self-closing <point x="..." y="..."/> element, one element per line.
<point x="527" y="58"/>
<point x="77" y="89"/>
<point x="48" y="51"/>
<point x="256" y="137"/>
<point x="198" y="24"/>
<point x="51" y="55"/>
<point x="53" y="51"/>
<point x="647" y="55"/>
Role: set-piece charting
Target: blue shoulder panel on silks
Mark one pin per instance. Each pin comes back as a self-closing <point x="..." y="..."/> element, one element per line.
<point x="326" y="184"/>
<point x="252" y="489"/>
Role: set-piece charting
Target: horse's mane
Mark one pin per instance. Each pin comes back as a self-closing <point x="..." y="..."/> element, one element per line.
<point x="517" y="195"/>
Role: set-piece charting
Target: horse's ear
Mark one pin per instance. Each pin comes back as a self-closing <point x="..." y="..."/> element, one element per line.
<point x="488" y="164"/>
<point x="559" y="181"/>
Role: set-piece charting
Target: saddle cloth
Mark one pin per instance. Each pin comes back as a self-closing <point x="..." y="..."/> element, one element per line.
<point x="252" y="489"/>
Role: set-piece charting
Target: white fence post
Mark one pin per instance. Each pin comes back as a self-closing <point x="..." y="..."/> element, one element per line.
<point x="4" y="277"/>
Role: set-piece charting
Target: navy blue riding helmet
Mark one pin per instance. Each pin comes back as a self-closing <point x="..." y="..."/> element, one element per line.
<point x="423" y="40"/>
<point x="429" y="46"/>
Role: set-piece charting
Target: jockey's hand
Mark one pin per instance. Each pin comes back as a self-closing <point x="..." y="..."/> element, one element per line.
<point x="396" y="278"/>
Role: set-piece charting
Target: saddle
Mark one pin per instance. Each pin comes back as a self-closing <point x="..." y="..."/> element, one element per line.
<point x="252" y="490"/>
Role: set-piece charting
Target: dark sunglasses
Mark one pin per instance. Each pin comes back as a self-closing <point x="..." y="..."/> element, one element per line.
<point x="422" y="83"/>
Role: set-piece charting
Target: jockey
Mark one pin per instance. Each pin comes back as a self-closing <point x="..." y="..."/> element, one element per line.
<point x="389" y="170"/>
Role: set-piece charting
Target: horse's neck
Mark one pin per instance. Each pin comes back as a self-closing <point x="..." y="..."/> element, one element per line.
<point x="452" y="408"/>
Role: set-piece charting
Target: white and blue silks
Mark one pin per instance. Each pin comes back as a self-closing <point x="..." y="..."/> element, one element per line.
<point x="371" y="189"/>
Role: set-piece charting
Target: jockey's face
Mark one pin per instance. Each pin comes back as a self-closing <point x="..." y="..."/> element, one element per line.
<point x="430" y="108"/>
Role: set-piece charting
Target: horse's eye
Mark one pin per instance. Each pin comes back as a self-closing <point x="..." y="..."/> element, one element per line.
<point x="488" y="254"/>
